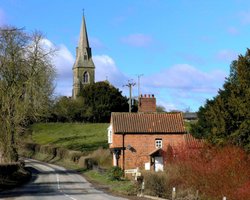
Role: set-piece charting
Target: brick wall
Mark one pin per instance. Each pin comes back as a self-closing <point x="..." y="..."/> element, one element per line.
<point x="141" y="146"/>
<point x="147" y="103"/>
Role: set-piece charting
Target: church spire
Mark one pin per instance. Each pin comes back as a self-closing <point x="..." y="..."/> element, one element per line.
<point x="83" y="40"/>
<point x="84" y="68"/>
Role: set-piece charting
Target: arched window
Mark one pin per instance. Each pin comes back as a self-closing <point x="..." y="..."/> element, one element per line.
<point x="85" y="77"/>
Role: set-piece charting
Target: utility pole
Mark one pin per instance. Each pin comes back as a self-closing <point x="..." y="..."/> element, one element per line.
<point x="130" y="84"/>
<point x="139" y="92"/>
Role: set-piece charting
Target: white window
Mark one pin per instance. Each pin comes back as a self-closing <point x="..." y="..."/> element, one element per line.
<point x="158" y="143"/>
<point x="110" y="134"/>
<point x="147" y="166"/>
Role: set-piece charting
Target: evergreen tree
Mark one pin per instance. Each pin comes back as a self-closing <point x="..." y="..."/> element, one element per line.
<point x="226" y="118"/>
<point x="100" y="99"/>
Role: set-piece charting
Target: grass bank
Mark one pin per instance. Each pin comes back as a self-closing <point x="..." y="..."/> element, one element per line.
<point x="72" y="136"/>
<point x="90" y="139"/>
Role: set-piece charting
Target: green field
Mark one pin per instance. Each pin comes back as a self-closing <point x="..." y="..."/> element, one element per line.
<point x="73" y="136"/>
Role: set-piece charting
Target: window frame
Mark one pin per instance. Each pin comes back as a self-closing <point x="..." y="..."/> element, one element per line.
<point x="158" y="143"/>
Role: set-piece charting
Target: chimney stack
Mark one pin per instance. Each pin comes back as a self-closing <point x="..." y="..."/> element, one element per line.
<point x="147" y="103"/>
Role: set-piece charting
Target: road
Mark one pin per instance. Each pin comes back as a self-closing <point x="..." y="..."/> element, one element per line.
<point x="54" y="182"/>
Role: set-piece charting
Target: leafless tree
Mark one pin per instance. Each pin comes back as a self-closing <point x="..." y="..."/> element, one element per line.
<point x="26" y="84"/>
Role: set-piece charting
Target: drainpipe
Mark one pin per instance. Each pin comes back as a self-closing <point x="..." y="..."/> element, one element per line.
<point x="123" y="152"/>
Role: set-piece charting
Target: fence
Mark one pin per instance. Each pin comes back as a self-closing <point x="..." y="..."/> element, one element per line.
<point x="133" y="172"/>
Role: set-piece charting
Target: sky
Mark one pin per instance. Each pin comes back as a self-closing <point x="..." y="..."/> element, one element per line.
<point x="181" y="49"/>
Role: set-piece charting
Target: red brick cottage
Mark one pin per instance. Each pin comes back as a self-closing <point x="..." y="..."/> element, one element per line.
<point x="145" y="139"/>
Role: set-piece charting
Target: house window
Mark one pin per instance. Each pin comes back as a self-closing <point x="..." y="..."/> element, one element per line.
<point x="86" y="77"/>
<point x="110" y="134"/>
<point x="158" y="143"/>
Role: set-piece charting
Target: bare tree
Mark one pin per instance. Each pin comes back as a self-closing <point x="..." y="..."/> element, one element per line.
<point x="26" y="84"/>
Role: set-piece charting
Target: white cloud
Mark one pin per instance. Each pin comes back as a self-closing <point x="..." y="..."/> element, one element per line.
<point x="107" y="69"/>
<point x="138" y="40"/>
<point x="63" y="61"/>
<point x="177" y="87"/>
<point x="185" y="77"/>
<point x="227" y="55"/>
<point x="182" y="86"/>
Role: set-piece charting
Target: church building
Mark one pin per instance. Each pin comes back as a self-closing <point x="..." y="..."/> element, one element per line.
<point x="84" y="67"/>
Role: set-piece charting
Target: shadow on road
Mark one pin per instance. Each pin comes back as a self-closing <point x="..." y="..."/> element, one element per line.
<point x="44" y="183"/>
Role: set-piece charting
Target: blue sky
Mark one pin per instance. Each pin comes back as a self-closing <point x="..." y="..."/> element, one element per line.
<point x="183" y="48"/>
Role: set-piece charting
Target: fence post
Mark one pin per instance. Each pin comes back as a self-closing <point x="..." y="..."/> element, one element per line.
<point x="142" y="188"/>
<point x="173" y="193"/>
<point x="197" y="195"/>
<point x="224" y="198"/>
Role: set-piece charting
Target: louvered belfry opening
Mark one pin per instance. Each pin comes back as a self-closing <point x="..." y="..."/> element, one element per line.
<point x="147" y="103"/>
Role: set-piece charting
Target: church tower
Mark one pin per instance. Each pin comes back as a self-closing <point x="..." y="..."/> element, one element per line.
<point x="84" y="68"/>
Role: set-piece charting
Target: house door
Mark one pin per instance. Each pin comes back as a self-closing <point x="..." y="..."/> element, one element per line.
<point x="158" y="164"/>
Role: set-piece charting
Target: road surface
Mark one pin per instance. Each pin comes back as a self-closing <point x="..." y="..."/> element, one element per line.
<point x="56" y="183"/>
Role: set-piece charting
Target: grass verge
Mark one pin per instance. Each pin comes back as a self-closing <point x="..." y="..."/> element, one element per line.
<point x="124" y="187"/>
<point x="72" y="136"/>
<point x="100" y="180"/>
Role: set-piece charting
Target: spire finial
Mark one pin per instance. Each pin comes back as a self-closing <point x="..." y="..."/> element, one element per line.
<point x="83" y="12"/>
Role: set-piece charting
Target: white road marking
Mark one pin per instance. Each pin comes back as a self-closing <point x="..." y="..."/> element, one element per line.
<point x="58" y="181"/>
<point x="58" y="187"/>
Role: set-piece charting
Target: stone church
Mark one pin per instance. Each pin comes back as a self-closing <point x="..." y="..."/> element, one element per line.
<point x="84" y="67"/>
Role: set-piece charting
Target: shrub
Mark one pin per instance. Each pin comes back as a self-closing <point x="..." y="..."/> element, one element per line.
<point x="215" y="171"/>
<point x="75" y="155"/>
<point x="156" y="183"/>
<point x="102" y="157"/>
<point x="115" y="173"/>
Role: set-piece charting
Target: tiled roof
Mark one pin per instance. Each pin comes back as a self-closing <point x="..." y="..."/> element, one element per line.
<point x="147" y="123"/>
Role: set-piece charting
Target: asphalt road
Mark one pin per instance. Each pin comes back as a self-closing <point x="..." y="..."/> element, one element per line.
<point x="54" y="182"/>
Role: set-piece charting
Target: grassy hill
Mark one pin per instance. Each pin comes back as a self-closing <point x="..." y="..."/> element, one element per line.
<point x="73" y="136"/>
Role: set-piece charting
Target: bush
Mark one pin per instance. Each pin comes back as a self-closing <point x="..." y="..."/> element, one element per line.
<point x="215" y="171"/>
<point x="156" y="183"/>
<point x="115" y="173"/>
<point x="103" y="157"/>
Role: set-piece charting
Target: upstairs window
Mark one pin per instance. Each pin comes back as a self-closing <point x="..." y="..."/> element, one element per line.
<point x="85" y="77"/>
<point x="110" y="134"/>
<point x="158" y="143"/>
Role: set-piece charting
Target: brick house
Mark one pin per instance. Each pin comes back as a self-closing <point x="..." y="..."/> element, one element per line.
<point x="146" y="139"/>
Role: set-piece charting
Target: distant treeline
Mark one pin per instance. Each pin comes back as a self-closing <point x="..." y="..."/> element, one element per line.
<point x="94" y="104"/>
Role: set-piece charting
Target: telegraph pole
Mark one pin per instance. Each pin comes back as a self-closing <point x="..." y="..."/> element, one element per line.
<point x="139" y="92"/>
<point x="130" y="84"/>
